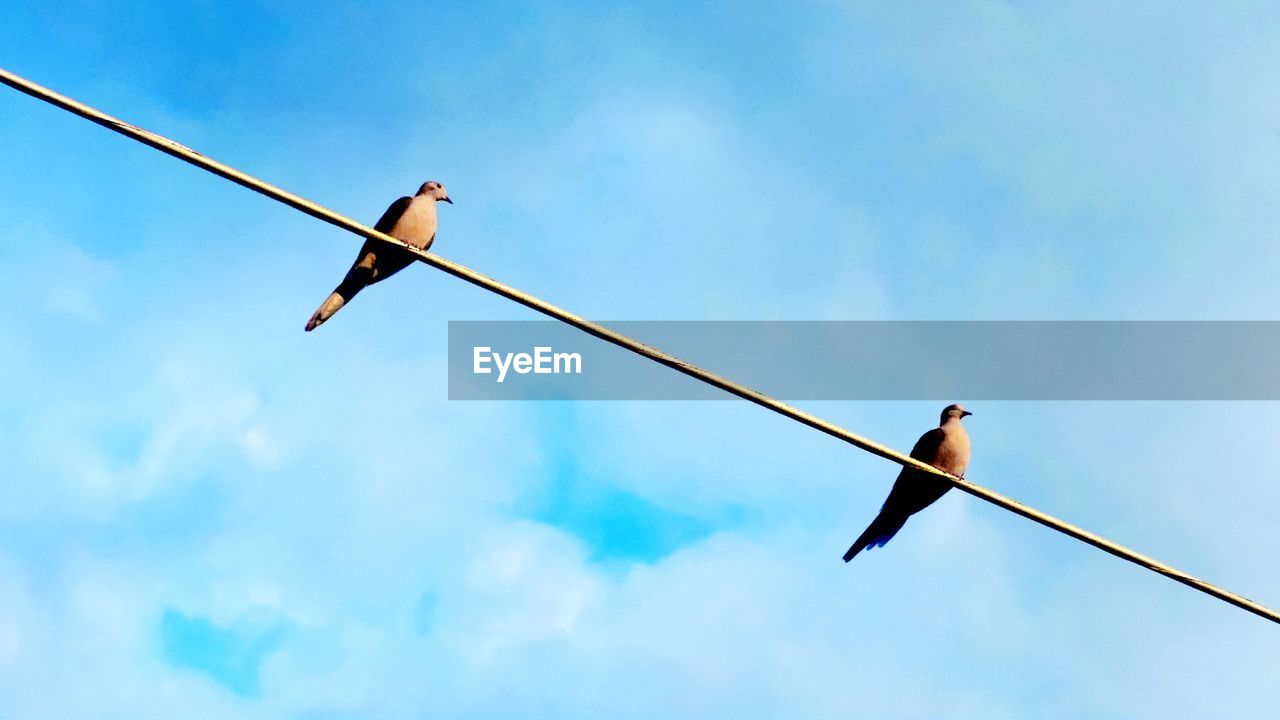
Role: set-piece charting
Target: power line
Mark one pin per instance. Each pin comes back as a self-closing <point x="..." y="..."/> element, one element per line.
<point x="186" y="154"/>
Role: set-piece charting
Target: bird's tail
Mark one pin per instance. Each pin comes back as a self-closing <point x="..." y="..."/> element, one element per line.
<point x="332" y="304"/>
<point x="358" y="278"/>
<point x="880" y="531"/>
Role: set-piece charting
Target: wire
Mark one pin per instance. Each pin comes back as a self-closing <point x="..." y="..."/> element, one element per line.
<point x="186" y="154"/>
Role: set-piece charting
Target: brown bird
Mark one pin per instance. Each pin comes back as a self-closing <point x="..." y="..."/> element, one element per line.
<point x="410" y="220"/>
<point x="945" y="447"/>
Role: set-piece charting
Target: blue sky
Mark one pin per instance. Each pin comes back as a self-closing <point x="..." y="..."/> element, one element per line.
<point x="205" y="508"/>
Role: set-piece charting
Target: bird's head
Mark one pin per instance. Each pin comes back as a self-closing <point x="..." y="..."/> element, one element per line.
<point x="433" y="189"/>
<point x="954" y="412"/>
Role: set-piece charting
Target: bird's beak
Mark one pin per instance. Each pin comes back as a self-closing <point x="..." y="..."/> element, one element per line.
<point x="966" y="413"/>
<point x="446" y="199"/>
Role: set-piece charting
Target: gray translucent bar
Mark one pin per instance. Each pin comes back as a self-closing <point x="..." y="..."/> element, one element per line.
<point x="867" y="360"/>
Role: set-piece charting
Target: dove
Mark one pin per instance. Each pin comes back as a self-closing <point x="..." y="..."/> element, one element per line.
<point x="945" y="447"/>
<point x="411" y="220"/>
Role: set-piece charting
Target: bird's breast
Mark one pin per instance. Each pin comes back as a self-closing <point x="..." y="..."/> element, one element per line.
<point x="418" y="223"/>
<point x="953" y="453"/>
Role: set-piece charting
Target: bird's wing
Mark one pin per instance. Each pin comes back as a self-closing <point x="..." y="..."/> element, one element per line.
<point x="926" y="448"/>
<point x="367" y="258"/>
<point x="392" y="215"/>
<point x="913" y="491"/>
<point x="905" y="497"/>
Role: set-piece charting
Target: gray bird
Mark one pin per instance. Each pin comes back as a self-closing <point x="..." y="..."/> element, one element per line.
<point x="411" y="220"/>
<point x="945" y="447"/>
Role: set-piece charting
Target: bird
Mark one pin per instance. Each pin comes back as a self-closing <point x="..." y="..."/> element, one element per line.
<point x="411" y="220"/>
<point x="945" y="447"/>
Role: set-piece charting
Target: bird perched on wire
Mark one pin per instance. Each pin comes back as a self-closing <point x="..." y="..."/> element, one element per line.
<point x="945" y="447"/>
<point x="411" y="220"/>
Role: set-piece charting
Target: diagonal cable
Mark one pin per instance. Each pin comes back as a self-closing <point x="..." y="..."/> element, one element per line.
<point x="169" y="147"/>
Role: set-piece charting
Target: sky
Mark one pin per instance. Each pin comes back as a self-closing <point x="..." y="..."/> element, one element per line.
<point x="204" y="509"/>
